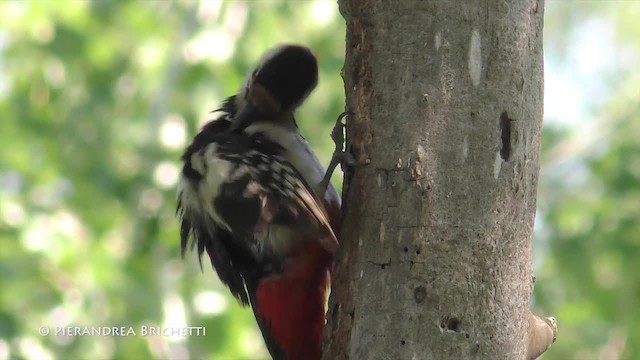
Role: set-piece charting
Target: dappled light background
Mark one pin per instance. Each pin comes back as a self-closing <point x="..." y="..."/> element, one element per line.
<point x="98" y="99"/>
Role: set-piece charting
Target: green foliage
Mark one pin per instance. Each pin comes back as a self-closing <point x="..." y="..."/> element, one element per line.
<point x="98" y="100"/>
<point x="590" y="196"/>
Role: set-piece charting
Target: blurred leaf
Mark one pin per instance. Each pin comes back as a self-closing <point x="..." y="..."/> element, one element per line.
<point x="87" y="222"/>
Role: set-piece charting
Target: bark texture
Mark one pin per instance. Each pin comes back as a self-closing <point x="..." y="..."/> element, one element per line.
<point x="436" y="246"/>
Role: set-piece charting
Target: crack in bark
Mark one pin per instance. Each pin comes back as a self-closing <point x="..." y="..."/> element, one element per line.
<point x="381" y="265"/>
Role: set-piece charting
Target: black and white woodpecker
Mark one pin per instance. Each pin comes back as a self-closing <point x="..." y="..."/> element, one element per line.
<point x="283" y="79"/>
<point x="250" y="195"/>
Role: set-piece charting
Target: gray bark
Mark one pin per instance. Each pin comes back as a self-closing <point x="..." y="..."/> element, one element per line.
<point x="436" y="246"/>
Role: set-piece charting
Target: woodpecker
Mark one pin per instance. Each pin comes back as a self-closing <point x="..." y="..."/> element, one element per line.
<point x="250" y="195"/>
<point x="283" y="79"/>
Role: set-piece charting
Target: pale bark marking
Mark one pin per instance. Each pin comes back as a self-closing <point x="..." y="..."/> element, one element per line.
<point x="475" y="58"/>
<point x="465" y="148"/>
<point x="497" y="164"/>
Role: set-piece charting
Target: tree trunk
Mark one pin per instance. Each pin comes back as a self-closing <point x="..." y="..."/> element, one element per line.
<point x="436" y="246"/>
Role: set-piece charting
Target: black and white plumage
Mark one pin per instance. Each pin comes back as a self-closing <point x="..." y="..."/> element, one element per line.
<point x="250" y="196"/>
<point x="236" y="189"/>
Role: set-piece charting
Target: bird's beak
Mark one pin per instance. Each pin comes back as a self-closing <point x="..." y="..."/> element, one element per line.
<point x="244" y="117"/>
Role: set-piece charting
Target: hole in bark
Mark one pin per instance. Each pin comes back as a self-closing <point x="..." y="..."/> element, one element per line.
<point x="419" y="294"/>
<point x="402" y="342"/>
<point x="383" y="266"/>
<point x="466" y="335"/>
<point x="418" y="252"/>
<point x="451" y="324"/>
<point x="406" y="249"/>
<point x="472" y="114"/>
<point x="505" y="134"/>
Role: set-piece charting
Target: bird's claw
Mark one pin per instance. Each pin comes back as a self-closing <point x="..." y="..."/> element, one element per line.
<point x="339" y="155"/>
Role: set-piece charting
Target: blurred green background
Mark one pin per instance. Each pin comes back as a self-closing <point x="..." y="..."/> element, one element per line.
<point x="97" y="100"/>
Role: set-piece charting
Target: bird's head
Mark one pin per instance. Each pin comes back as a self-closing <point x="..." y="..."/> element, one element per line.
<point x="282" y="80"/>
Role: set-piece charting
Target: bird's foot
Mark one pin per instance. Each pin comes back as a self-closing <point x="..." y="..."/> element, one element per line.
<point x="339" y="155"/>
